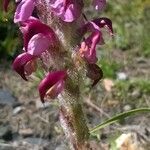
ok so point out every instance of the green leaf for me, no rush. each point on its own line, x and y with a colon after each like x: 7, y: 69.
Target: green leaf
x: 118, y: 117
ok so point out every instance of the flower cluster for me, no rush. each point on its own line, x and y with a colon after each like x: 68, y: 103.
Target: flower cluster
x: 40, y: 38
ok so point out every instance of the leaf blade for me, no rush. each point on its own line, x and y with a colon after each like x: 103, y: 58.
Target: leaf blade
x: 118, y: 117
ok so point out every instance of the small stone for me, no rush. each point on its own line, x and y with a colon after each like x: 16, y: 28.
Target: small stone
x: 36, y: 141
x: 61, y: 147
x: 6, y: 97
x: 122, y: 76
x: 108, y: 84
x: 136, y: 94
x: 127, y: 108
x: 40, y: 105
x: 26, y: 132
x: 6, y: 133
x: 17, y: 110
x: 129, y: 141
x: 141, y: 60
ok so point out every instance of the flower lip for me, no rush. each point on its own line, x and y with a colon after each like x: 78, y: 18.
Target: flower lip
x: 88, y: 46
x: 33, y: 26
x: 38, y: 44
x: 52, y: 84
x: 20, y: 62
x: 91, y: 42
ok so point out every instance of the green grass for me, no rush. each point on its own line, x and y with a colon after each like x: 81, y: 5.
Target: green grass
x: 109, y: 67
x: 123, y: 91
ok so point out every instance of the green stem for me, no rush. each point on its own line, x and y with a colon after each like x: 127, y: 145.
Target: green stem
x: 72, y: 117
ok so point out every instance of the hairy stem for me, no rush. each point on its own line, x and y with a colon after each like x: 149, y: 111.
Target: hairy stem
x: 72, y: 117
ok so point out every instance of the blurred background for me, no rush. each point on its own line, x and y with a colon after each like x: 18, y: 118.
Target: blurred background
x: 125, y: 61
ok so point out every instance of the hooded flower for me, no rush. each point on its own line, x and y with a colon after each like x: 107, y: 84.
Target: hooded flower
x: 52, y: 84
x: 67, y: 10
x: 24, y: 10
x: 88, y: 46
x: 24, y: 64
x: 37, y: 36
x: 99, y: 4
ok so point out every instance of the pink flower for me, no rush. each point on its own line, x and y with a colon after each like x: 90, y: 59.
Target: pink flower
x: 24, y: 10
x: 88, y: 46
x: 67, y: 10
x: 99, y: 4
x: 52, y: 84
x: 38, y: 37
x: 24, y: 64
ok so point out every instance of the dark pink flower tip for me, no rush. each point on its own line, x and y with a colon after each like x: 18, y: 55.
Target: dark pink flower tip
x: 5, y: 5
x: 37, y: 36
x: 67, y: 10
x: 88, y: 27
x: 19, y: 64
x: 104, y: 22
x: 99, y: 4
x: 52, y: 84
x: 24, y: 10
x: 94, y: 72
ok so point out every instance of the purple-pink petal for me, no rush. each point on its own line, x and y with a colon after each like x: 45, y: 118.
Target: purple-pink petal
x: 52, y: 80
x: 20, y: 62
x: 38, y: 44
x: 32, y: 27
x: 90, y: 52
x: 67, y: 10
x: 24, y: 10
x: 88, y: 46
x: 99, y: 4
x: 88, y: 27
